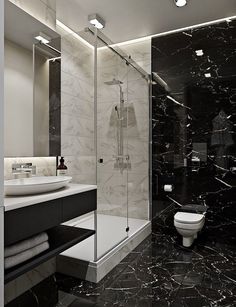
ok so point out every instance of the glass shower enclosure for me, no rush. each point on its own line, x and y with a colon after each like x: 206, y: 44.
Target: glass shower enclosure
x: 107, y: 96
x: 122, y: 140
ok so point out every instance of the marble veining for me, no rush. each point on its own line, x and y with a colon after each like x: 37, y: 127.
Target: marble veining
x: 194, y: 116
x: 160, y: 272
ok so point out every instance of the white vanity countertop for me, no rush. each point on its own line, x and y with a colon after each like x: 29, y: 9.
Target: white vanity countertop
x: 16, y: 202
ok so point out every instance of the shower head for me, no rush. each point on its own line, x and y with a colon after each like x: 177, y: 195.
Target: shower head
x: 114, y: 82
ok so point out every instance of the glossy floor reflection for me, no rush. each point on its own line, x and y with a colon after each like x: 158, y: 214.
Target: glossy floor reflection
x: 160, y: 272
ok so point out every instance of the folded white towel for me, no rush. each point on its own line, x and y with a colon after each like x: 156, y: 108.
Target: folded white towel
x: 25, y: 255
x: 25, y: 244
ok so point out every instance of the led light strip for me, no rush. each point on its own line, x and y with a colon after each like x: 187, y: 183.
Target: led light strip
x: 149, y: 37
x: 70, y: 31
x: 137, y: 40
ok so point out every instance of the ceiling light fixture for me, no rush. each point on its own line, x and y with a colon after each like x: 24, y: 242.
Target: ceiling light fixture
x: 207, y: 75
x: 43, y: 38
x: 96, y: 21
x: 199, y: 52
x: 180, y: 3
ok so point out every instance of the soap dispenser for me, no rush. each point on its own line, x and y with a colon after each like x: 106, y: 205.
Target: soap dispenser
x: 62, y: 168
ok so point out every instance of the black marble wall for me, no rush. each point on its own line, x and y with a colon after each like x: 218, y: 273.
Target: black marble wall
x: 55, y: 108
x: 194, y: 119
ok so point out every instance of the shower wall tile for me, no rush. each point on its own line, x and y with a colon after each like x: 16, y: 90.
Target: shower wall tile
x: 107, y: 58
x: 139, y: 164
x: 75, y: 86
x: 113, y: 192
x: 77, y: 113
x: 77, y: 107
x: 80, y: 165
x: 138, y: 195
x: 72, y: 126
x: 140, y: 52
x: 44, y: 11
x: 77, y: 145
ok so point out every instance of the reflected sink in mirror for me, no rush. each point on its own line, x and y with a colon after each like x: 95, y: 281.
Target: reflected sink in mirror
x: 35, y: 185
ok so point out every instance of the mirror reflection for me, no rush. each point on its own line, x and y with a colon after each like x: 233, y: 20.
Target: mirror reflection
x: 32, y: 86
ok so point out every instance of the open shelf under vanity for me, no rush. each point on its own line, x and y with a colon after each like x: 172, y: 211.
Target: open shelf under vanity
x: 48, y: 216
x: 60, y: 238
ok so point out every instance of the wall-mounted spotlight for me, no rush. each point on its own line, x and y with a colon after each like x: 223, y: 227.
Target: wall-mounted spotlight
x: 96, y: 21
x: 43, y: 38
x: 180, y: 3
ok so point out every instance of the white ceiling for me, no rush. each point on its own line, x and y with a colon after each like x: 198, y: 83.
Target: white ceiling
x: 131, y: 19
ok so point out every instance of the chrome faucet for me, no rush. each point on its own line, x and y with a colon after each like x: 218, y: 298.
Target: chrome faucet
x: 23, y: 170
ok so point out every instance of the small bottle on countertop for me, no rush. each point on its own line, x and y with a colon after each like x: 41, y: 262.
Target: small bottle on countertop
x: 62, y: 168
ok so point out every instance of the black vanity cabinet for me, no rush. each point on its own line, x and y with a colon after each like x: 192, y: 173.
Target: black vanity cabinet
x: 48, y: 216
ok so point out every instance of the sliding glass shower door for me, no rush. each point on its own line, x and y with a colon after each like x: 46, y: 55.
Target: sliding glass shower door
x: 112, y: 157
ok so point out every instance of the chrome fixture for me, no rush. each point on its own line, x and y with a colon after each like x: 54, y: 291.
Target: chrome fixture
x: 122, y: 161
x: 23, y: 170
x: 96, y: 21
x: 180, y: 3
x: 43, y: 38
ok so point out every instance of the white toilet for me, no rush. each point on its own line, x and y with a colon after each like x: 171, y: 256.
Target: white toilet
x: 188, y: 225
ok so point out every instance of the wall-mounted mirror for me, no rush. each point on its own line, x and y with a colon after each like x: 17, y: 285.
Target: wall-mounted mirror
x: 32, y: 82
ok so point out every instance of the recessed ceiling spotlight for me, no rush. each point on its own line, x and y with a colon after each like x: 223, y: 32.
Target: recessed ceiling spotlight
x: 180, y: 3
x: 96, y: 21
x: 199, y: 52
x: 43, y: 38
x: 207, y: 75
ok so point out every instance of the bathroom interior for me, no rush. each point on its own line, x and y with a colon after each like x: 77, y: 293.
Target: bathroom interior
x: 117, y: 153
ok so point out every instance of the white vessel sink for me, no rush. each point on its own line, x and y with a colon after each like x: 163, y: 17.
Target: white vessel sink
x: 35, y: 185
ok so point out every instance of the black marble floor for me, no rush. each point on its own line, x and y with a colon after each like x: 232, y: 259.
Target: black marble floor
x: 160, y: 272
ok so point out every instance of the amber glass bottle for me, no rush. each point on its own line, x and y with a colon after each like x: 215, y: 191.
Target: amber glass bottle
x: 61, y: 168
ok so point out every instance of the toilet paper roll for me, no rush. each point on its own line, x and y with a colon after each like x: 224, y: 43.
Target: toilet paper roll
x: 168, y: 188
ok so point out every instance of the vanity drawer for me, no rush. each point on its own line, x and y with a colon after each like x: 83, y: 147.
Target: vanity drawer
x: 28, y: 221
x: 79, y: 204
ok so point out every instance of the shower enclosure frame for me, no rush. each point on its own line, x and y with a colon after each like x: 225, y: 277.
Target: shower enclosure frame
x: 99, y: 36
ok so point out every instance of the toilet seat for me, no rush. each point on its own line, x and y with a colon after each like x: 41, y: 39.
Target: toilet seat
x: 188, y: 218
x: 196, y: 226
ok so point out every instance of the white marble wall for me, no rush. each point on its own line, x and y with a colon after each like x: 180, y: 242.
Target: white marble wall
x: 140, y: 53
x: 77, y: 113
x: 116, y: 189
x: 43, y: 10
